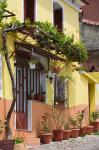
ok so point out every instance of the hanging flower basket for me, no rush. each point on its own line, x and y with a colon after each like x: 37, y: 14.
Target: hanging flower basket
x: 32, y: 66
x: 32, y: 62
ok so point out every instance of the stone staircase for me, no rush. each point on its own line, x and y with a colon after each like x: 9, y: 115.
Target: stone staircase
x: 33, y: 142
x: 29, y: 139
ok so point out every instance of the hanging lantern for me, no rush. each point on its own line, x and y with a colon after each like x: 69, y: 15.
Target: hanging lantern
x: 51, y: 80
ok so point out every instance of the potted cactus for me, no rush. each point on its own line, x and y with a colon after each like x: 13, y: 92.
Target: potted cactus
x: 45, y: 135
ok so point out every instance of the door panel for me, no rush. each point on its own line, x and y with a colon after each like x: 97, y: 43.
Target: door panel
x: 21, y: 95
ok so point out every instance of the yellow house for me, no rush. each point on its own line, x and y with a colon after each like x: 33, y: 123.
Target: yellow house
x: 80, y: 92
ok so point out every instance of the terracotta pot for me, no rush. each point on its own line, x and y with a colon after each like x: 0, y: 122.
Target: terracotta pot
x: 88, y: 129
x: 20, y: 146
x: 58, y: 135
x: 7, y: 144
x: 96, y: 126
x: 46, y: 138
x: 74, y: 133
x: 66, y: 134
x: 38, y: 97
x: 82, y: 131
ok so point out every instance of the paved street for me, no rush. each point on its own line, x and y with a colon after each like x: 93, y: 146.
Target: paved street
x: 90, y: 142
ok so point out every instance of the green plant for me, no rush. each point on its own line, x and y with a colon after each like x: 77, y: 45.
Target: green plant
x: 3, y: 5
x: 80, y: 117
x: 33, y: 60
x: 50, y: 38
x: 81, y: 68
x: 18, y: 140
x: 94, y: 116
x: 58, y: 117
x: 73, y: 122
x: 44, y: 124
x: 67, y: 125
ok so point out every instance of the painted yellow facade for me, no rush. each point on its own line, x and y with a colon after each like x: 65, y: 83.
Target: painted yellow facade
x: 78, y: 88
x: 96, y: 76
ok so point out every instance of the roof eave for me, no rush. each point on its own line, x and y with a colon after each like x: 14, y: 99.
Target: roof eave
x: 85, y: 2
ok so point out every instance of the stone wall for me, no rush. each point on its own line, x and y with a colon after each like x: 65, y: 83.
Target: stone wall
x: 90, y: 36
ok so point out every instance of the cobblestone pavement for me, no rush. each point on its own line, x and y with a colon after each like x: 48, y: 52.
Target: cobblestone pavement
x: 89, y: 142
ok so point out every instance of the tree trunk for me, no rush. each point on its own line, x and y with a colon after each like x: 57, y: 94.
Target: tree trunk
x: 6, y: 55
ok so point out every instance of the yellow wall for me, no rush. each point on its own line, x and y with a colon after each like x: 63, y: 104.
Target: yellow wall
x: 78, y: 90
x: 71, y: 16
x: 92, y: 97
x: 71, y: 26
x: 44, y: 12
x: 7, y: 90
x: 16, y: 7
x: 95, y: 75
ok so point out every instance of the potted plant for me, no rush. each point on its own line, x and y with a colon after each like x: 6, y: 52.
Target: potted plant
x: 80, y: 118
x: 93, y: 119
x: 88, y: 127
x: 45, y: 135
x: 74, y: 129
x: 58, y: 120
x: 32, y: 62
x: 19, y: 143
x: 41, y: 95
x: 67, y: 131
x: 5, y: 144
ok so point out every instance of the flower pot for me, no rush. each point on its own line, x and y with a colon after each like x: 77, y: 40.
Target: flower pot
x: 46, y: 138
x: 66, y: 134
x: 20, y: 146
x: 38, y: 97
x: 32, y: 66
x: 96, y: 126
x: 88, y: 130
x: 82, y: 131
x: 58, y: 135
x: 7, y: 144
x: 74, y: 133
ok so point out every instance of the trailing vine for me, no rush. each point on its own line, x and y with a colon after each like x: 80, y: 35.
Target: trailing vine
x: 65, y: 45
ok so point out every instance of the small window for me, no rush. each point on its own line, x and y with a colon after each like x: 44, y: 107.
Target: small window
x: 29, y: 10
x: 60, y: 90
x: 58, y: 16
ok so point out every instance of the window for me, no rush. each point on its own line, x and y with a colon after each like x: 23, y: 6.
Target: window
x: 60, y: 90
x: 58, y: 16
x: 29, y: 10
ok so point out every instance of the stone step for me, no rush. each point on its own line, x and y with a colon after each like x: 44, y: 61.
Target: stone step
x: 31, y: 141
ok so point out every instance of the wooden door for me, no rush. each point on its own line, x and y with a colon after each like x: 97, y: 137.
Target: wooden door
x: 22, y: 98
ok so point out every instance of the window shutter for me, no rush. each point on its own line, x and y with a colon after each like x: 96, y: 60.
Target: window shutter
x: 60, y: 89
x: 29, y: 10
